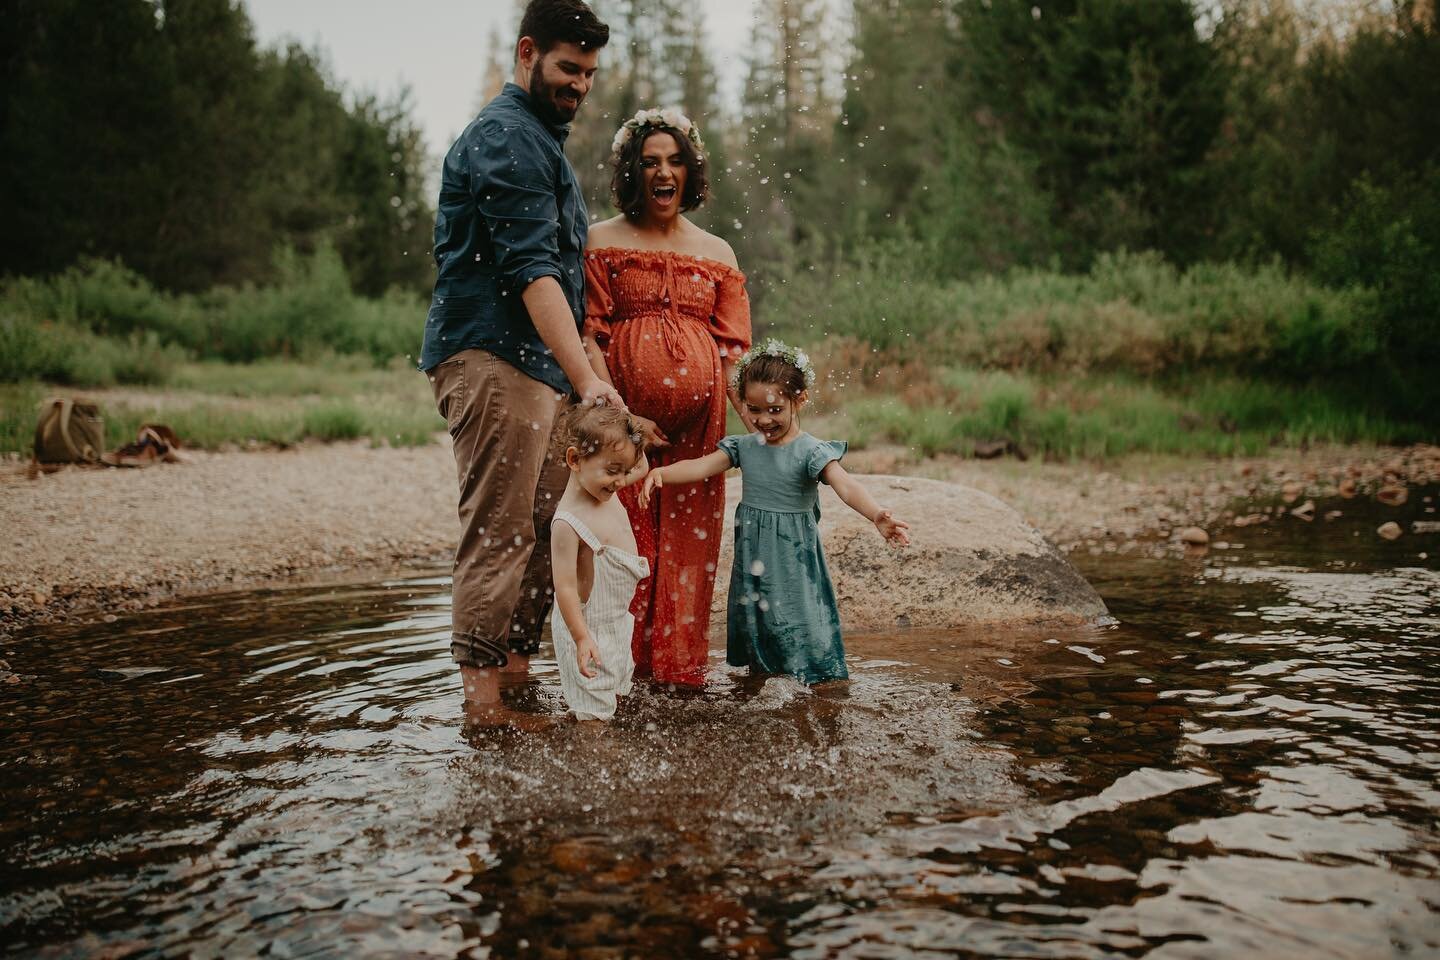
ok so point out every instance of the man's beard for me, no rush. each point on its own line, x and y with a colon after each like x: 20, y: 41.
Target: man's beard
x: 542, y: 98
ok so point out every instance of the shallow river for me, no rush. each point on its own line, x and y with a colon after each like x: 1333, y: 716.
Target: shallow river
x: 1246, y: 765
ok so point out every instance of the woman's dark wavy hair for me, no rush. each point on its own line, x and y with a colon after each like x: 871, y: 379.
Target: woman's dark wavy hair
x: 627, y: 182
x: 549, y: 22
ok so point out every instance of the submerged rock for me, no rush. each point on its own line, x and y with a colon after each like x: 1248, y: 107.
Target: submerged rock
x: 971, y: 560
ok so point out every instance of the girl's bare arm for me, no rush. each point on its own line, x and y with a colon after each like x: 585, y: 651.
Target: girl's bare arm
x: 727, y: 370
x: 685, y: 471
x: 637, y: 472
x: 857, y: 498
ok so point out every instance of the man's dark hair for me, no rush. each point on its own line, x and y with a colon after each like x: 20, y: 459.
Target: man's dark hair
x: 549, y: 22
x: 627, y: 182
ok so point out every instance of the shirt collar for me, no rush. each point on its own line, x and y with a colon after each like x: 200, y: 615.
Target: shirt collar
x: 517, y: 93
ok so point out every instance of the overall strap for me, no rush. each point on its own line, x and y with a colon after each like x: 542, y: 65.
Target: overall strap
x: 579, y: 527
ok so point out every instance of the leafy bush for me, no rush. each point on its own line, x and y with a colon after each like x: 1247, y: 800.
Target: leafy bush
x: 61, y: 353
x: 1134, y: 313
x: 308, y: 312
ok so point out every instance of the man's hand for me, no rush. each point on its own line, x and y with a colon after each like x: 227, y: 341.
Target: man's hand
x: 896, y: 531
x: 653, y: 480
x: 655, y: 438
x: 586, y: 654
x: 599, y: 392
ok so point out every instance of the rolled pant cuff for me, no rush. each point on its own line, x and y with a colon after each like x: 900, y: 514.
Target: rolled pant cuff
x: 472, y: 651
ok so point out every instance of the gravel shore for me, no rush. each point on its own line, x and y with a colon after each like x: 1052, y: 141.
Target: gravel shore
x: 89, y: 542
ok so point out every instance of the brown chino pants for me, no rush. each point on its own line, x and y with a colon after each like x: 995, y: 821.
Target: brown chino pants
x: 510, y: 483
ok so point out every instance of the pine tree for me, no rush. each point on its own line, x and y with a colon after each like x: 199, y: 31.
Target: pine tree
x: 787, y: 120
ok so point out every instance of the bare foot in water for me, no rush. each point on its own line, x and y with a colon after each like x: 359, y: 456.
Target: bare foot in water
x: 491, y: 716
x: 516, y: 670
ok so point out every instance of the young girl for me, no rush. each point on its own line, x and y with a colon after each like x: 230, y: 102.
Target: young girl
x: 782, y: 617
x: 595, y: 566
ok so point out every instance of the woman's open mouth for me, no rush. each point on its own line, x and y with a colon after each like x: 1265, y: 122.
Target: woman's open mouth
x: 664, y: 194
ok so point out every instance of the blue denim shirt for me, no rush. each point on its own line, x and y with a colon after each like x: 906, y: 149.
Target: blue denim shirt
x: 510, y: 212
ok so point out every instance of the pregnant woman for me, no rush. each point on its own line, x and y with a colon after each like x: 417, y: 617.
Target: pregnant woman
x: 666, y: 316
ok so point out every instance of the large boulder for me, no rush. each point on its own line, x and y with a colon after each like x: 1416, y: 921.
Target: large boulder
x: 971, y: 560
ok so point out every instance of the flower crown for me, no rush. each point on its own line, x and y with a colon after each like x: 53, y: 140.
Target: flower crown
x: 794, y: 356
x: 656, y: 117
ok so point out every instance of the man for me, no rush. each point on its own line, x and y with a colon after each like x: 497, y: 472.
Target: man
x: 502, y: 345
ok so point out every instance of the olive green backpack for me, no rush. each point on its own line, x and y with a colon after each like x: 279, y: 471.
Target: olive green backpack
x: 69, y: 431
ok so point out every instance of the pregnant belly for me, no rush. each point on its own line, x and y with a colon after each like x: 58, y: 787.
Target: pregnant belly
x: 667, y: 370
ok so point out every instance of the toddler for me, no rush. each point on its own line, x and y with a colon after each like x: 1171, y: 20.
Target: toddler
x: 595, y: 566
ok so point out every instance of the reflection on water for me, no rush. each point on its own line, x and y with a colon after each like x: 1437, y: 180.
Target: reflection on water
x: 1246, y: 766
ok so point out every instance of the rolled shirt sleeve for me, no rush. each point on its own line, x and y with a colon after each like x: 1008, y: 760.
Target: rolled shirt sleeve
x: 512, y: 176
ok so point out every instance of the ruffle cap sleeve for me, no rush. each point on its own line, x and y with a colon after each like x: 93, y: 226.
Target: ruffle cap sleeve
x: 599, y: 305
x: 730, y: 323
x: 731, y: 446
x: 823, y: 453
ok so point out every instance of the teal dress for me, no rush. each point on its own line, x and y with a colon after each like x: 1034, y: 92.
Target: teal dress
x: 782, y: 616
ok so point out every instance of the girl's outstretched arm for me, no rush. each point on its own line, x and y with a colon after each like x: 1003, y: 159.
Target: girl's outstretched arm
x: 727, y: 370
x: 684, y: 471
x: 637, y: 472
x: 857, y: 498
x: 565, y: 565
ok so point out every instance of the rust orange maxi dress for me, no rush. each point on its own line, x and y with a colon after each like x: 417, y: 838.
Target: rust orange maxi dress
x: 662, y: 319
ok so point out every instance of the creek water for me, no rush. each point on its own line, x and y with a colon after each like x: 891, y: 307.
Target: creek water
x: 1245, y: 765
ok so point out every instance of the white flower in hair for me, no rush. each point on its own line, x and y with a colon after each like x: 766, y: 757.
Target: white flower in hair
x: 772, y: 347
x: 671, y: 117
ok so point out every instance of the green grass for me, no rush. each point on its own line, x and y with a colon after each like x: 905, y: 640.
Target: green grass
x: 1097, y: 417
x: 209, y: 406
x: 1134, y: 356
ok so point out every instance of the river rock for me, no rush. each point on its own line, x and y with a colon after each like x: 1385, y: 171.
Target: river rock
x: 1390, y: 530
x: 1194, y: 537
x: 971, y: 560
x: 1392, y: 495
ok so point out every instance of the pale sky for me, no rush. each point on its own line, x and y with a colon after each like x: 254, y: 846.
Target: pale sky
x: 439, y: 48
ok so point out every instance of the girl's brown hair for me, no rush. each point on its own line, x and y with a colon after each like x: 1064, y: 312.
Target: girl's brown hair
x: 591, y: 428
x: 770, y: 369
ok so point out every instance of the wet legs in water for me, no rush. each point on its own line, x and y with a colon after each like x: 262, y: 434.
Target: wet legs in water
x: 482, y: 684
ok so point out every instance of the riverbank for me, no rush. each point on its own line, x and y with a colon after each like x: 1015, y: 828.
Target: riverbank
x: 84, y: 543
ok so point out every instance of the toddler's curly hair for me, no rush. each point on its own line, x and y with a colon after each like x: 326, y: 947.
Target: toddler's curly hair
x: 591, y: 428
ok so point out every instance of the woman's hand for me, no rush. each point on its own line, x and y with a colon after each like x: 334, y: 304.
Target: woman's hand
x: 587, y: 656
x: 655, y: 438
x: 653, y: 480
x: 896, y: 531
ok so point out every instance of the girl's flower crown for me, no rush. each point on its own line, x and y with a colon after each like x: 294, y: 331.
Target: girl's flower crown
x: 657, y: 117
x: 794, y: 356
